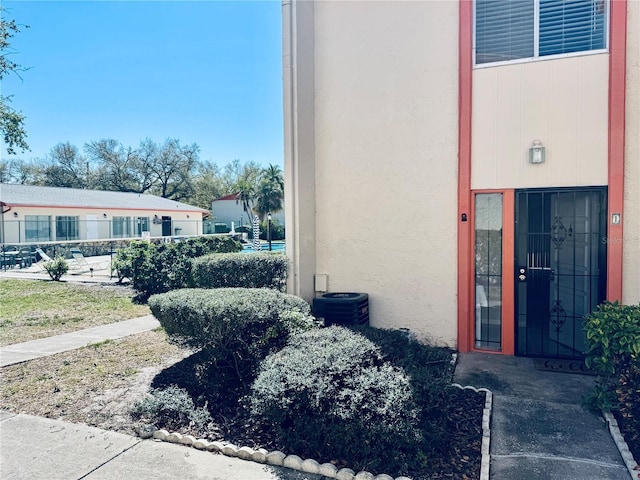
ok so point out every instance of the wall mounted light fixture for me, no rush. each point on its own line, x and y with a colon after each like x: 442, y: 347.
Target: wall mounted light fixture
x: 104, y: 215
x: 15, y: 214
x: 536, y: 152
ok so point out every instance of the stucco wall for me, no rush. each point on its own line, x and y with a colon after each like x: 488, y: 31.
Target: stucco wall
x: 386, y: 159
x: 562, y: 102
x: 631, y: 222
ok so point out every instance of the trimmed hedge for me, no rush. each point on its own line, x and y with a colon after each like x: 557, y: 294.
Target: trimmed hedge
x: 157, y: 268
x: 238, y: 326
x: 330, y: 391
x: 257, y: 270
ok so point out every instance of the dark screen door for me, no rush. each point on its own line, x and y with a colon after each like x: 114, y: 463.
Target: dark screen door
x: 560, y: 268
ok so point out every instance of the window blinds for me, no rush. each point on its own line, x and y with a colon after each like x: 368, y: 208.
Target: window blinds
x: 513, y: 29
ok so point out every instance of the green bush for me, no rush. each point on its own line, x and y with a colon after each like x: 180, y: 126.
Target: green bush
x: 277, y: 230
x: 258, y: 270
x: 57, y: 268
x: 330, y: 391
x: 613, y: 347
x: 239, y: 326
x: 171, y: 408
x: 156, y: 268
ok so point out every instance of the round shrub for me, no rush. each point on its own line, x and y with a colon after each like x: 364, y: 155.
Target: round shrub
x: 257, y: 270
x: 240, y: 326
x: 330, y: 391
x: 171, y: 408
x: 57, y: 268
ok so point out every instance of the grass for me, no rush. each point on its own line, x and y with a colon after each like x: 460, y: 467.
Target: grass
x: 32, y: 309
x: 96, y: 385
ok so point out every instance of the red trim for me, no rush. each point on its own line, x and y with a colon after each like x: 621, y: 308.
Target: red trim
x: 465, y: 267
x: 617, y: 89
x: 70, y: 207
x: 508, y: 273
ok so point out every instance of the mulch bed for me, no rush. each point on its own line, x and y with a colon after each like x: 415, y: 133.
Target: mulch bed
x: 630, y: 429
x: 459, y: 457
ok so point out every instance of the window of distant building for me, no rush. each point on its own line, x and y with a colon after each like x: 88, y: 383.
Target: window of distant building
x: 37, y: 228
x: 67, y: 228
x: 507, y: 30
x: 121, y: 227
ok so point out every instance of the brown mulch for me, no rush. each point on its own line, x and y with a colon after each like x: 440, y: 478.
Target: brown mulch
x: 459, y: 460
x: 630, y: 430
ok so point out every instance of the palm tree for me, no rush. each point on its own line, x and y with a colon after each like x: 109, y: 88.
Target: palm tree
x: 270, y: 193
x: 245, y: 196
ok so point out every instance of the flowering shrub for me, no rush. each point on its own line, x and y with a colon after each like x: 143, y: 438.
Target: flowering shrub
x: 239, y: 326
x: 257, y: 270
x: 330, y: 391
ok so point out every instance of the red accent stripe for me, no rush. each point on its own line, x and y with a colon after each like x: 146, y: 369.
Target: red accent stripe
x: 617, y: 99
x: 465, y: 266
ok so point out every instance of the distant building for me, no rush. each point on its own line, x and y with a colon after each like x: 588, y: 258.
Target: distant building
x: 229, y: 211
x: 35, y: 214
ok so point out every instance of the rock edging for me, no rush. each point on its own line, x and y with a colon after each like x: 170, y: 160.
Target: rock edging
x: 621, y: 444
x: 486, y: 428
x: 275, y: 458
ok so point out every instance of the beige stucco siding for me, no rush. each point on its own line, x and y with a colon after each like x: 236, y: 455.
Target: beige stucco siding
x: 386, y: 159
x: 562, y: 102
x: 631, y: 222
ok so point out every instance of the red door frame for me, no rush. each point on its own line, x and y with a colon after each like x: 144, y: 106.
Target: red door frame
x: 508, y: 274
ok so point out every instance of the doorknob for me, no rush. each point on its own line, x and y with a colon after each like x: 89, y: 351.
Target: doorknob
x: 521, y: 274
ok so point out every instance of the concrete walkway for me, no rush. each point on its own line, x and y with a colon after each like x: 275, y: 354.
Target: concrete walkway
x: 21, y: 352
x: 37, y: 448
x: 539, y: 430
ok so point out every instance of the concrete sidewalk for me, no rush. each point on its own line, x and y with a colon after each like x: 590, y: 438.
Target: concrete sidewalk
x: 21, y: 352
x: 539, y: 429
x: 37, y: 448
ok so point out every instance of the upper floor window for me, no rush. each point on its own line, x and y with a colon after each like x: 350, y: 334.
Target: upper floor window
x: 519, y: 29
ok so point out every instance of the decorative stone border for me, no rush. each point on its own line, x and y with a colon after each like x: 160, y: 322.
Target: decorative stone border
x: 275, y: 458
x: 623, y: 448
x: 486, y: 428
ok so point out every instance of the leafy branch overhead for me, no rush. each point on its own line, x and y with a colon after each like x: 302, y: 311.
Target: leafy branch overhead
x: 12, y: 121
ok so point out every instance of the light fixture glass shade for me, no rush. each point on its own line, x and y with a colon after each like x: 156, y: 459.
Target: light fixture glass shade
x: 536, y: 152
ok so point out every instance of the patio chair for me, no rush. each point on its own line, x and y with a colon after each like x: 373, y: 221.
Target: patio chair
x: 81, y: 265
x: 44, y: 258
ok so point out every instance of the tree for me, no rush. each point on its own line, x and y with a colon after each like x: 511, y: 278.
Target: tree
x: 68, y: 168
x: 11, y: 121
x: 207, y: 185
x: 245, y: 194
x: 270, y: 192
x: 122, y: 169
x: 173, y: 169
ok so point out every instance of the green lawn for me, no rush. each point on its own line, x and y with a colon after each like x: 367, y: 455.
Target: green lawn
x: 31, y: 309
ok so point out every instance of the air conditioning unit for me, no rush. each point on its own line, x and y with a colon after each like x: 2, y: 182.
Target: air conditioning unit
x: 342, y: 308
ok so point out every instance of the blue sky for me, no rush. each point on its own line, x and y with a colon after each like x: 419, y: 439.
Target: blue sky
x: 207, y: 72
